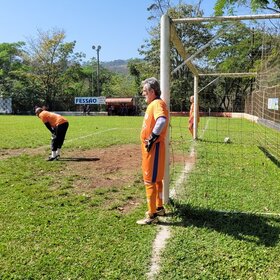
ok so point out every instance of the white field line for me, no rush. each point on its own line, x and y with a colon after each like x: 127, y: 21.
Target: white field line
x: 89, y: 135
x: 159, y: 244
x: 95, y: 133
x: 42, y: 148
x: 164, y: 231
x: 81, y: 137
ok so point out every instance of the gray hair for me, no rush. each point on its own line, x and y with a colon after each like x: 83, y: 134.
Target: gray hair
x: 152, y: 83
x: 38, y: 110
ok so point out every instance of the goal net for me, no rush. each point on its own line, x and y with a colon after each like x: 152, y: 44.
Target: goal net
x: 263, y: 103
x: 235, y: 148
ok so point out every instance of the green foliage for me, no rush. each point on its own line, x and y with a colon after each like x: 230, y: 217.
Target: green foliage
x: 10, y: 66
x: 50, y: 65
x: 193, y: 36
x: 120, y: 86
x: 140, y: 70
x: 219, y: 6
x: 228, y: 6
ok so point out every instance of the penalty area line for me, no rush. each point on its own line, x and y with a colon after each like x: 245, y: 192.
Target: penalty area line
x: 81, y: 137
x: 89, y: 135
x: 96, y: 133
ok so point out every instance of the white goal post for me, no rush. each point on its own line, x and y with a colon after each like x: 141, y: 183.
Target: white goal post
x: 168, y: 35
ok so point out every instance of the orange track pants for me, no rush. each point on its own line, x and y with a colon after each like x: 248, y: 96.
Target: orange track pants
x: 154, y: 196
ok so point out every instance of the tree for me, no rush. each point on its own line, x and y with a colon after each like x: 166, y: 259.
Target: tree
x: 140, y: 70
x: 10, y: 63
x: 52, y: 65
x: 237, y: 50
x: 230, y: 5
x: 192, y: 36
x: 11, y: 72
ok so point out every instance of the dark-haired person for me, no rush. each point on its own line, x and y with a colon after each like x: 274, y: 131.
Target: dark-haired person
x: 58, y: 126
x: 152, y: 136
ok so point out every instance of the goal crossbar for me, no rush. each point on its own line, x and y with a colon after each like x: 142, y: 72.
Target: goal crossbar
x: 226, y: 18
x: 234, y: 75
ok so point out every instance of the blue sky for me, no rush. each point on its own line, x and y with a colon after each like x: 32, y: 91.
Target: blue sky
x: 119, y: 26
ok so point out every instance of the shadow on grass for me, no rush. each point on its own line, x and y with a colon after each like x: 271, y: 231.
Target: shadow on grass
x: 78, y: 159
x: 270, y: 156
x: 242, y: 226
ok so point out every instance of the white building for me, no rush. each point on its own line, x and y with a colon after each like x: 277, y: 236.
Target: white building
x: 5, y: 105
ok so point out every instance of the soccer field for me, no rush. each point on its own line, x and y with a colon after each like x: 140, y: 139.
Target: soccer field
x: 75, y: 218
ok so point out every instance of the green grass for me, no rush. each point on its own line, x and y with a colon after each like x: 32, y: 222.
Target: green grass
x: 219, y: 230
x: 53, y: 233
x: 84, y: 132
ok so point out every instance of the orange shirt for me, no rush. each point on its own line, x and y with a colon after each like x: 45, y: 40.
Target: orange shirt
x: 52, y: 118
x: 191, y: 117
x: 153, y: 162
x: 157, y: 108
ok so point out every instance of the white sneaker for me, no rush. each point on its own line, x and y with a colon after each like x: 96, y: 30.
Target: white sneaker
x: 161, y: 211
x: 148, y: 220
x: 52, y: 158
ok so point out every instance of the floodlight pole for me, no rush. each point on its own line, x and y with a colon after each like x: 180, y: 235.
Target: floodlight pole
x: 98, y: 48
x: 92, y: 91
x: 165, y: 93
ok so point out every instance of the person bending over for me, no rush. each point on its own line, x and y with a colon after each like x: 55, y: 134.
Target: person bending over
x: 58, y: 126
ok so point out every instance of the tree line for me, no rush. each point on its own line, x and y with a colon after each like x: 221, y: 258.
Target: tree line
x: 45, y: 70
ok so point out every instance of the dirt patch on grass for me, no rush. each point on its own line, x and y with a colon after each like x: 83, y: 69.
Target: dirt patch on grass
x: 7, y: 153
x: 105, y: 167
x: 109, y: 167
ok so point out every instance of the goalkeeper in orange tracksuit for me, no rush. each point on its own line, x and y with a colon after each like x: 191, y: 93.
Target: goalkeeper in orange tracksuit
x: 153, y: 149
x: 58, y: 126
x: 191, y: 116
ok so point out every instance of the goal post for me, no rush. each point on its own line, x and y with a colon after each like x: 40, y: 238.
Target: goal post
x: 165, y: 91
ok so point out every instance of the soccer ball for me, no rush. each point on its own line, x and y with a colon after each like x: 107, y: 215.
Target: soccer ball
x: 227, y: 140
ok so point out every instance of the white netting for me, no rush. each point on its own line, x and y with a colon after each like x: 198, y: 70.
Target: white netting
x: 234, y: 144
